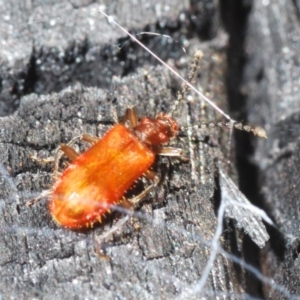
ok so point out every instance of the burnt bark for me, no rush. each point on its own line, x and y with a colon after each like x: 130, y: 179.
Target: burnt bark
x: 62, y: 75
x: 271, y: 86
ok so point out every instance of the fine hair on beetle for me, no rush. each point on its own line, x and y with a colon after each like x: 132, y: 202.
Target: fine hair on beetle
x: 145, y: 221
x: 101, y: 177
x: 98, y: 180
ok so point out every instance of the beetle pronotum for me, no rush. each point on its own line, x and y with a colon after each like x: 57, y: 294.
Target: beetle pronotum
x: 98, y: 179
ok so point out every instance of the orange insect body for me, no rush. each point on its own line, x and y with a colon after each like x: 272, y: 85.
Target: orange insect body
x: 99, y: 178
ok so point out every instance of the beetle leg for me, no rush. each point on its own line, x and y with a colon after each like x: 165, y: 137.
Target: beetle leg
x: 137, y: 199
x: 128, y: 205
x: 68, y: 151
x: 131, y: 117
x: 89, y: 139
x: 151, y: 175
x: 43, y: 194
x: 172, y: 152
x: 42, y: 160
x: 99, y: 240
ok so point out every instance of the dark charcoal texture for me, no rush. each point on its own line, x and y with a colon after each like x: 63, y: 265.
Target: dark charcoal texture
x: 269, y: 94
x: 50, y: 45
x: 62, y: 75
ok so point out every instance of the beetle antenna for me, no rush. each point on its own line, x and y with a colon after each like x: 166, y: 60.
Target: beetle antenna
x: 207, y: 100
x: 256, y: 130
x: 192, y: 72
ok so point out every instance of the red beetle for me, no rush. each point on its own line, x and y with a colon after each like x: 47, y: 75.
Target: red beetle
x: 99, y: 178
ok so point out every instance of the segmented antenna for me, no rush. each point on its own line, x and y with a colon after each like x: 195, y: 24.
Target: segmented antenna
x: 256, y: 130
x: 111, y: 20
x: 181, y: 94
